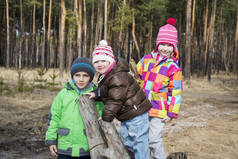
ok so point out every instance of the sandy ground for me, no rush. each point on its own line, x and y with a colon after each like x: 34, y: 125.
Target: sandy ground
x: 208, y: 123
x: 206, y: 128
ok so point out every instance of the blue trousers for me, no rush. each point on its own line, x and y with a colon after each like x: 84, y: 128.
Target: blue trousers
x: 155, y: 138
x: 135, y: 133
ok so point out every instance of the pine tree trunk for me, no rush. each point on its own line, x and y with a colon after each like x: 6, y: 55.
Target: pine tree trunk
x: 21, y: 36
x: 26, y: 50
x: 43, y: 40
x: 2, y: 38
x: 38, y: 53
x: 211, y: 40
x: 112, y: 34
x: 205, y: 41
x: 69, y: 50
x: 121, y: 27
x: 130, y: 43
x: 198, y: 41
x: 150, y: 33
x: 13, y: 39
x: 8, y: 37
x: 180, y: 39
x: 78, y: 13
x: 84, y: 29
x: 199, y: 33
x: 105, y: 20
x: 56, y: 45
x: 126, y: 45
x: 219, y: 47
x: 235, y: 62
x: 223, y: 42
x: 33, y: 42
x: 91, y: 31
x: 100, y: 22
x: 97, y: 33
x: 48, y: 44
x: 193, y: 36
x: 62, y: 38
x: 224, y: 52
x: 133, y: 31
x: 187, y: 66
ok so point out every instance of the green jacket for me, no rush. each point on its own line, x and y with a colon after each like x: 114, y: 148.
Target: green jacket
x: 66, y: 127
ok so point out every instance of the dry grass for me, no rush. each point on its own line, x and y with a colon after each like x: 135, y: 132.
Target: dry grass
x: 11, y: 75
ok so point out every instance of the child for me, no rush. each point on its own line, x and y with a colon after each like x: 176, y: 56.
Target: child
x: 66, y: 136
x: 123, y: 99
x: 161, y: 79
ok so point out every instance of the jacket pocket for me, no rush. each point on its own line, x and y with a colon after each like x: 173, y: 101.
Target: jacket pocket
x: 63, y: 131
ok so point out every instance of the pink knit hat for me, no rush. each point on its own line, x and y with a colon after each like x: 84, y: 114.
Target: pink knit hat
x: 167, y: 34
x: 103, y: 52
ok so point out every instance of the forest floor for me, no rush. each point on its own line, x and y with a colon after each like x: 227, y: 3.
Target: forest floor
x: 206, y: 128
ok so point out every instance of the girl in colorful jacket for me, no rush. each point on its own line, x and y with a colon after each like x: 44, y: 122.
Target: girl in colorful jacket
x: 66, y: 135
x: 161, y: 79
x: 123, y: 99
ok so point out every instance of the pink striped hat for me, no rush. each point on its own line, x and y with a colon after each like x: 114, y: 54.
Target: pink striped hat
x: 167, y: 34
x: 103, y: 52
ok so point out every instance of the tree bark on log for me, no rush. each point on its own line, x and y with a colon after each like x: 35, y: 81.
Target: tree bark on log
x: 103, y: 139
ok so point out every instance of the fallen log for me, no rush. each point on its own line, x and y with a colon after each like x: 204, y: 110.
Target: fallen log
x: 103, y: 138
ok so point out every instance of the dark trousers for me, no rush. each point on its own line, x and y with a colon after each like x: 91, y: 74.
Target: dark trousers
x: 70, y: 157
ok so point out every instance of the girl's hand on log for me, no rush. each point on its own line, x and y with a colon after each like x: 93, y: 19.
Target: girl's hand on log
x: 90, y: 95
x: 53, y: 150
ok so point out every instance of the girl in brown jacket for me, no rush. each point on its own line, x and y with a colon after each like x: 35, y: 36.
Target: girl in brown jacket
x: 123, y: 99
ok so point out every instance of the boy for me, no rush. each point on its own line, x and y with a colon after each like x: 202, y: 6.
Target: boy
x: 123, y: 99
x: 66, y: 136
x: 161, y: 78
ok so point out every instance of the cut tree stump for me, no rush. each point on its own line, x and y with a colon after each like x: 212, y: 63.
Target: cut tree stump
x: 103, y: 138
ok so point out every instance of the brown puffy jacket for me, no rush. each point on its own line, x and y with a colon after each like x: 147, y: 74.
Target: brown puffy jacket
x: 122, y: 96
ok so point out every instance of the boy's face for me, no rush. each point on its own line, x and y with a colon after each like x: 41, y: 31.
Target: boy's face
x: 101, y: 66
x: 81, y: 79
x: 165, y: 50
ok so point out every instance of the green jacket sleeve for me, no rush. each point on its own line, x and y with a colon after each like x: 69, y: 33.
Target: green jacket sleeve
x: 54, y: 119
x: 99, y: 105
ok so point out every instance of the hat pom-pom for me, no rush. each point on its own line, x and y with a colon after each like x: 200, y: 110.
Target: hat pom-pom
x: 171, y: 21
x: 103, y: 42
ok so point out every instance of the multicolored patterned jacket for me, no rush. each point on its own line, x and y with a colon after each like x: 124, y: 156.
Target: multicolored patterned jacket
x: 162, y: 82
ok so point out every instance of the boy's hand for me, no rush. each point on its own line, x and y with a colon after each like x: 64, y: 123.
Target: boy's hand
x: 91, y: 95
x: 166, y: 119
x: 53, y: 150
